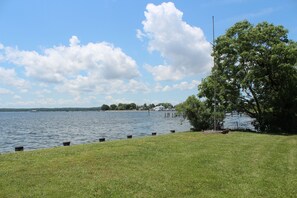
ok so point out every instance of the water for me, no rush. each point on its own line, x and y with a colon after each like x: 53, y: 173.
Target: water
x: 50, y: 129
x: 238, y: 121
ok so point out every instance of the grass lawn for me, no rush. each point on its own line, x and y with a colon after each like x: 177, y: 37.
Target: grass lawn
x: 175, y: 165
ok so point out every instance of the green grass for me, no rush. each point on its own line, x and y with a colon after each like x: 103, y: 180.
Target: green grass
x: 174, y: 165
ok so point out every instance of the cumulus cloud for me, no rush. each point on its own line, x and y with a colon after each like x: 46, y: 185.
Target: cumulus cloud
x: 98, y: 68
x: 17, y: 97
x: 9, y: 77
x: 61, y: 63
x: 73, y: 41
x: 41, y: 93
x: 112, y: 100
x: 165, y: 72
x: 179, y: 86
x: 183, y: 47
x: 187, y: 85
x: 92, y: 83
x: 5, y: 91
x: 50, y: 102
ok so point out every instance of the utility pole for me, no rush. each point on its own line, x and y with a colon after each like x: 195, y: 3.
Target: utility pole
x: 214, y: 89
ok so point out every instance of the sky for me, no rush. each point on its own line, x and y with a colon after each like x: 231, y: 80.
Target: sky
x: 92, y: 52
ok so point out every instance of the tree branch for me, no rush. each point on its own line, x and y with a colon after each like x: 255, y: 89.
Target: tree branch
x: 256, y: 100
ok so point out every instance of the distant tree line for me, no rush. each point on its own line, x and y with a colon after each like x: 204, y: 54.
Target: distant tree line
x: 104, y: 107
x: 133, y: 106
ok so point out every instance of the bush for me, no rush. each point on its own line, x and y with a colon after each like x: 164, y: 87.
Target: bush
x: 196, y: 111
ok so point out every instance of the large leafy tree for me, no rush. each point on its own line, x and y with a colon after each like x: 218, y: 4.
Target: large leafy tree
x: 255, y: 72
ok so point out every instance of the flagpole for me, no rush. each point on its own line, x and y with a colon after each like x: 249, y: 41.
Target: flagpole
x: 214, y: 90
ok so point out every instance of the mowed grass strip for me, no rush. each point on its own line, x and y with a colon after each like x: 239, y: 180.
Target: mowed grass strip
x: 175, y: 165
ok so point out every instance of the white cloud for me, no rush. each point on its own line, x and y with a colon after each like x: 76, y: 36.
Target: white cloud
x: 108, y: 98
x: 42, y: 93
x: 111, y: 100
x: 139, y: 34
x: 183, y: 47
x: 158, y: 87
x: 74, y: 41
x: 137, y: 86
x: 164, y: 72
x: 187, y: 85
x: 97, y: 68
x: 10, y: 78
x: 17, y: 97
x: 62, y: 63
x: 94, y: 84
x: 180, y: 86
x: 5, y: 91
x: 44, y: 102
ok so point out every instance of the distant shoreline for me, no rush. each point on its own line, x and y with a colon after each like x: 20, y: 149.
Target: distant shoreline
x: 69, y: 109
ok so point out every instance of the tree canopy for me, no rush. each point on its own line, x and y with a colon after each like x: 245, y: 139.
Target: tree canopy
x: 255, y: 72
x: 105, y: 107
x: 133, y: 106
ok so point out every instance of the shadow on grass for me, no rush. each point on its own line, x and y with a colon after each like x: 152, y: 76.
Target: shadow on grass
x: 246, y: 131
x: 267, y: 133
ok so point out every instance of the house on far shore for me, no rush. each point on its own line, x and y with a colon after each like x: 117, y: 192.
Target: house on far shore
x: 159, y: 108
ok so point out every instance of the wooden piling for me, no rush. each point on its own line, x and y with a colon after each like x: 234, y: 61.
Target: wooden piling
x: 66, y: 143
x: 225, y: 131
x: 19, y: 148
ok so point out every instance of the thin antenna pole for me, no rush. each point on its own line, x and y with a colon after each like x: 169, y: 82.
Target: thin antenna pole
x: 214, y: 90
x: 213, y: 33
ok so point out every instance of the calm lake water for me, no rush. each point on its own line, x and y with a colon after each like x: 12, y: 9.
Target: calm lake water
x: 50, y: 129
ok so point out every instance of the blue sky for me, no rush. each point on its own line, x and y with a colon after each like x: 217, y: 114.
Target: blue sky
x: 87, y: 53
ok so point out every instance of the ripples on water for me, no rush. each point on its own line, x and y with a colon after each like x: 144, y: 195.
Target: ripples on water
x: 238, y: 121
x: 50, y: 129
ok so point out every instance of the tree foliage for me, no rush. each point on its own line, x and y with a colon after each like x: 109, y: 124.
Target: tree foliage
x: 133, y: 106
x: 113, y: 107
x: 104, y: 107
x: 129, y: 106
x: 255, y: 72
x: 196, y: 112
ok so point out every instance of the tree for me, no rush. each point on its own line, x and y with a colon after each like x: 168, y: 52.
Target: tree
x: 151, y: 106
x: 104, y: 107
x: 122, y: 106
x: 255, y: 72
x: 132, y: 106
x: 196, y: 112
x: 145, y: 107
x: 113, y: 107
